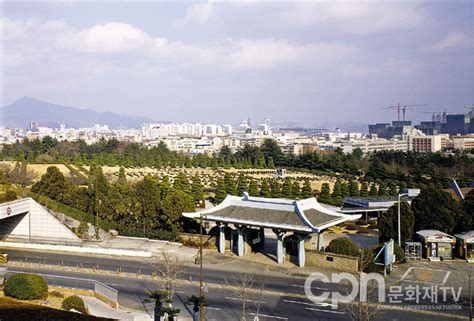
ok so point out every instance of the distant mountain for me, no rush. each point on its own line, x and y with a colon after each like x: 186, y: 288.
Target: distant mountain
x: 25, y: 110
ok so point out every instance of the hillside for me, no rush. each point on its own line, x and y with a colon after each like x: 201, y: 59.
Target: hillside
x: 27, y: 109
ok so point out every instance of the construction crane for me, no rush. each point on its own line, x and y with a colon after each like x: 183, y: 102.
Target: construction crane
x: 403, y: 108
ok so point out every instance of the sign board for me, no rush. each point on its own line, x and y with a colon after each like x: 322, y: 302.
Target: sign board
x: 389, y: 256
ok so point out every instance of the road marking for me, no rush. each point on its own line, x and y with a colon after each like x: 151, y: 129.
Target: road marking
x: 313, y: 287
x: 327, y: 311
x: 211, y: 308
x: 269, y: 316
x: 238, y: 299
x: 322, y: 304
x: 445, y: 279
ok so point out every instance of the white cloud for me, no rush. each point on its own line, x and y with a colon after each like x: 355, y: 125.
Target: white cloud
x: 111, y: 37
x: 198, y: 13
x: 453, y: 40
x: 272, y: 53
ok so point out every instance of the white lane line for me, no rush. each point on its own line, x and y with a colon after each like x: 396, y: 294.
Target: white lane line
x: 238, y: 299
x: 322, y: 304
x: 269, y: 316
x: 445, y: 279
x: 211, y: 308
x: 313, y: 287
x: 327, y: 311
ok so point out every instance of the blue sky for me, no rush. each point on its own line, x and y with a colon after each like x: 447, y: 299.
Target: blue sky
x: 306, y: 62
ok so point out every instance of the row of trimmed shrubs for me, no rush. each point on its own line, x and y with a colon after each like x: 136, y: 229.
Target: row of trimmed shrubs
x: 26, y: 286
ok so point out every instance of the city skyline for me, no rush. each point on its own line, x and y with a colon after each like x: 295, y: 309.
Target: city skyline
x: 221, y: 62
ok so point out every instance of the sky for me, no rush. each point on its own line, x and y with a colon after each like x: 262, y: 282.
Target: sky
x: 222, y: 62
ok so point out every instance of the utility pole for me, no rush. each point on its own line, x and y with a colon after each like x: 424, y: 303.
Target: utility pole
x: 470, y: 297
x: 399, y: 230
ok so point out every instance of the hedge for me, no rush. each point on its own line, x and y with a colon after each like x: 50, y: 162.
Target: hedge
x: 71, y: 211
x: 26, y: 287
x: 74, y: 302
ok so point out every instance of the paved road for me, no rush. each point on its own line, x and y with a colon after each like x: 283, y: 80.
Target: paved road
x: 283, y: 297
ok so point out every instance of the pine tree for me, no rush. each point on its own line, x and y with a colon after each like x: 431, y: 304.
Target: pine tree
x: 253, y: 188
x: 306, y: 191
x: 392, y: 188
x: 122, y: 178
x: 275, y: 189
x: 242, y: 185
x: 91, y: 176
x: 229, y: 183
x: 220, y: 191
x: 336, y: 190
x: 181, y: 183
x: 197, y: 189
x: 270, y: 163
x: 287, y: 188
x: 383, y: 191
x: 325, y: 194
x: 354, y: 189
x: 296, y: 190
x: 364, y: 189
x: 345, y: 190
x: 265, y: 189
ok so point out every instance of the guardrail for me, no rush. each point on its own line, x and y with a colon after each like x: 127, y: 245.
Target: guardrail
x: 102, y: 290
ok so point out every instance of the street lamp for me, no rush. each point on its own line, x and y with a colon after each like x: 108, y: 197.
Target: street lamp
x: 399, y: 232
x: 201, y: 273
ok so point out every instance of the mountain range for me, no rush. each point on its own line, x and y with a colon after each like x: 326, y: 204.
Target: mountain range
x: 20, y: 113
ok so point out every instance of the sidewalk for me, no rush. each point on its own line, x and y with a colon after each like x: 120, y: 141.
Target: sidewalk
x: 101, y: 309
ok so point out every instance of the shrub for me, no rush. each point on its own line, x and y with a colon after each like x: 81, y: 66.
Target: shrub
x: 26, y: 287
x: 343, y: 246
x: 56, y: 294
x: 74, y: 302
x: 399, y: 253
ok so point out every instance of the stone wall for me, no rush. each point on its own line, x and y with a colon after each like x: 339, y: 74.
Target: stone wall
x: 332, y: 261
x: 193, y: 240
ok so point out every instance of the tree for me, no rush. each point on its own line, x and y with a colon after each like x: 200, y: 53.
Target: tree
x: 383, y: 190
x: 170, y: 271
x: 287, y: 188
x: 306, y: 191
x: 353, y: 189
x: 325, y: 194
x: 466, y: 221
x: 271, y: 150
x: 265, y: 189
x: 275, y: 189
x: 197, y: 301
x: 345, y: 190
x: 364, y: 189
x: 53, y: 184
x: 388, y: 223
x: 242, y: 185
x: 297, y: 190
x: 122, y: 178
x: 20, y: 175
x: 197, y: 189
x: 337, y: 193
x: 157, y: 297
x: 181, y: 183
x: 392, y: 188
x: 435, y: 209
x: 172, y: 207
x: 253, y: 188
x: 373, y: 190
x: 220, y: 192
x: 229, y: 183
x: 343, y: 246
x: 148, y: 195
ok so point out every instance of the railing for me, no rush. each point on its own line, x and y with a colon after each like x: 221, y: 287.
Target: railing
x: 99, y: 288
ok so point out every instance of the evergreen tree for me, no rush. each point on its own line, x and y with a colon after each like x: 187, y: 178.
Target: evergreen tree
x: 230, y: 187
x: 388, y: 223
x: 275, y: 189
x: 53, y: 184
x: 354, y: 189
x: 383, y: 191
x: 122, y: 178
x: 392, y: 188
x: 296, y: 190
x: 345, y: 190
x: 265, y: 189
x: 325, y: 194
x: 270, y: 163
x: 242, y: 185
x: 306, y: 191
x: 220, y: 191
x: 287, y: 188
x: 181, y: 183
x: 364, y: 189
x: 197, y: 189
x: 336, y: 190
x: 91, y: 176
x: 253, y: 188
x: 165, y: 186
x: 373, y: 190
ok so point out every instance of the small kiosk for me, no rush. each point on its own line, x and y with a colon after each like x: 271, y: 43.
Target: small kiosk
x: 465, y: 245
x: 436, y: 244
